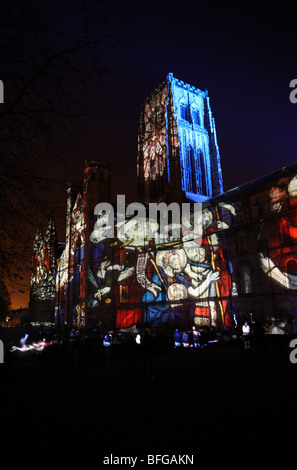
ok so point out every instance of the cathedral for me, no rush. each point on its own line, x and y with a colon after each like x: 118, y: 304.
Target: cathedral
x: 242, y: 266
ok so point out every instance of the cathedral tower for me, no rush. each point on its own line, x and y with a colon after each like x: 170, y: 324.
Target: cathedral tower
x: 178, y: 155
x: 42, y: 289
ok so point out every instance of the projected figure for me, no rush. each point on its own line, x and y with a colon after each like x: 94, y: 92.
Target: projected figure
x: 171, y: 264
x: 203, y: 278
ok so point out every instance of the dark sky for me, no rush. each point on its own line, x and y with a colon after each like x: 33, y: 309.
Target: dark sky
x: 243, y: 53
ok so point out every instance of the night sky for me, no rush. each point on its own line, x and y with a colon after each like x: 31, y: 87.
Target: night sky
x: 244, y: 54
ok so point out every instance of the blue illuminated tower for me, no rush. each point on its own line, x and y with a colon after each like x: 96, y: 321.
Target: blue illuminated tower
x: 178, y: 154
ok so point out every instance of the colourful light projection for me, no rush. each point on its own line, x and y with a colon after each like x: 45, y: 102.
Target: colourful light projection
x: 178, y: 144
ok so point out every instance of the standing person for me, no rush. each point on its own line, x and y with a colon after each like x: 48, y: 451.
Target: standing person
x: 246, y: 335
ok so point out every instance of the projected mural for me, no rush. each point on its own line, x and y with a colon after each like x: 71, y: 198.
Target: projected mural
x: 70, y: 278
x: 241, y: 267
x: 278, y: 237
x: 243, y: 264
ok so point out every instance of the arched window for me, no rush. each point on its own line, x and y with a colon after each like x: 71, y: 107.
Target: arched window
x: 124, y: 293
x: 183, y: 109
x: 246, y: 286
x: 195, y: 116
x: 193, y: 170
x: 201, y: 173
x: 262, y: 205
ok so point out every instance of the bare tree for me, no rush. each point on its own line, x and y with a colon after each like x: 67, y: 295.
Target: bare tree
x: 54, y: 60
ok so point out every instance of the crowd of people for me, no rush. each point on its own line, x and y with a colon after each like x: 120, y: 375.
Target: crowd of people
x: 194, y: 338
